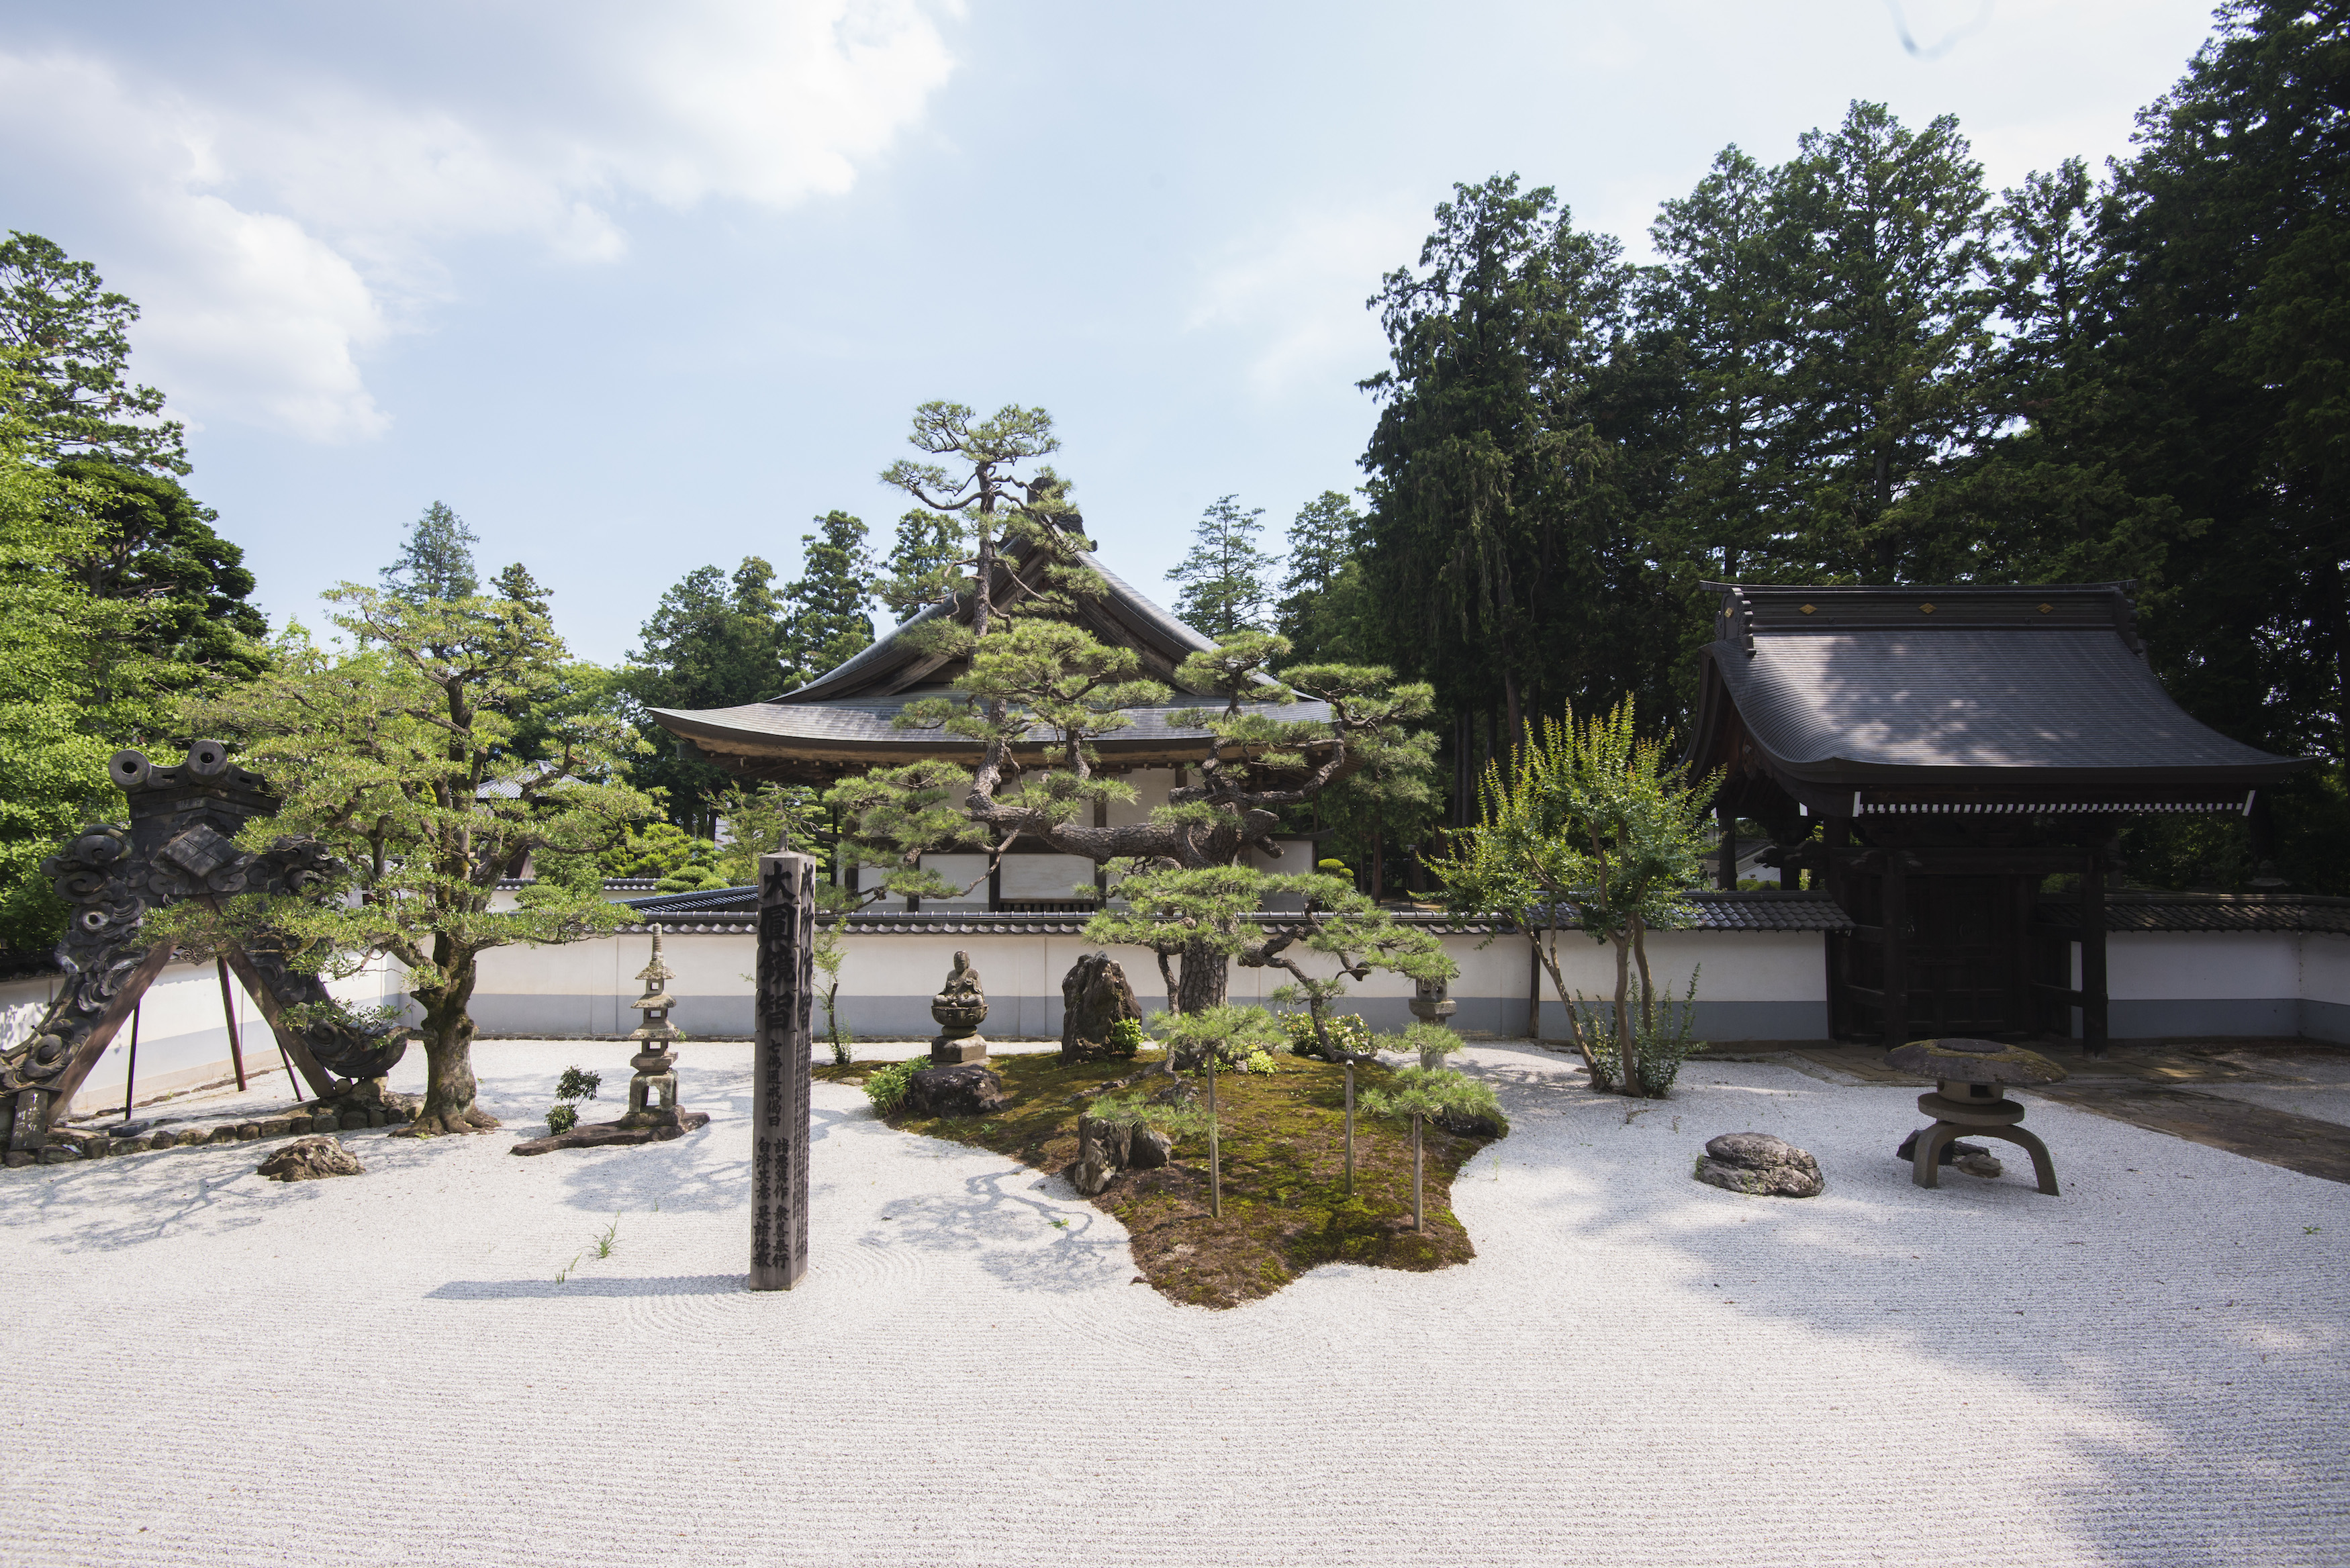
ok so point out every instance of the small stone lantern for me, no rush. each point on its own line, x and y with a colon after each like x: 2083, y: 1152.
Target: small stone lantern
x: 655, y: 1062
x: 1968, y: 1099
x: 1431, y: 1001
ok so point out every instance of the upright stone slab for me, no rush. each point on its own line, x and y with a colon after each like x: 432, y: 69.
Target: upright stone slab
x: 779, y: 1074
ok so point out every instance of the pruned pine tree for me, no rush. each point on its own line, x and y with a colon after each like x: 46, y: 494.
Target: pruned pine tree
x: 1225, y: 576
x: 397, y: 754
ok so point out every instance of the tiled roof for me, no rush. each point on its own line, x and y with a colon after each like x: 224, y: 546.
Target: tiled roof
x: 1871, y: 684
x: 737, y: 909
x: 2152, y: 910
x: 871, y: 720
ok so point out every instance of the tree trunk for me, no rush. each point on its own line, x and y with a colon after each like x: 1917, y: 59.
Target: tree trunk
x: 1548, y: 959
x: 1626, y: 1060
x: 449, y: 1084
x: 1206, y: 979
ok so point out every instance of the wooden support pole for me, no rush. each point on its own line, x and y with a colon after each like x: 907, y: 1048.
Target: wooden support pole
x: 779, y: 1071
x: 117, y: 1011
x: 1351, y: 1127
x: 131, y: 1068
x: 1896, y: 885
x: 1726, y: 872
x: 228, y: 1012
x: 1416, y: 1224
x: 2095, y: 1014
x: 1215, y: 1162
x: 289, y: 1041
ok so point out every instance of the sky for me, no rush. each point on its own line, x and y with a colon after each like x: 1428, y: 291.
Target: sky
x: 638, y: 289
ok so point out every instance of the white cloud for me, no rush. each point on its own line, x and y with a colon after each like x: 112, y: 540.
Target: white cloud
x: 1297, y: 293
x: 278, y: 218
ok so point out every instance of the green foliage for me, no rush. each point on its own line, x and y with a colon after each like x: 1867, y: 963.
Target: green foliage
x: 886, y: 1088
x: 1243, y: 1038
x: 395, y: 752
x: 1325, y: 608
x: 577, y: 1083
x: 762, y: 820
x: 1596, y: 825
x: 69, y: 339
x: 1223, y: 578
x: 923, y: 564
x: 1125, y: 1036
x: 1132, y: 1108
x: 1435, y: 1094
x: 436, y: 560
x: 152, y: 545
x: 1661, y: 1030
x: 679, y: 862
x: 560, y: 1119
x: 1337, y: 1037
x: 1431, y: 1043
x: 829, y: 623
x: 712, y: 642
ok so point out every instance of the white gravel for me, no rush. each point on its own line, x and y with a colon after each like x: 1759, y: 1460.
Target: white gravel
x: 1637, y: 1369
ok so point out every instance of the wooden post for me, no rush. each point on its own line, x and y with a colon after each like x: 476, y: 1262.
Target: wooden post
x: 779, y: 1071
x: 1215, y: 1162
x: 290, y: 1043
x: 1351, y: 1127
x: 1415, y: 1172
x: 1533, y: 989
x: 131, y: 1068
x: 2094, y: 1018
x: 1895, y: 903
x: 228, y: 1012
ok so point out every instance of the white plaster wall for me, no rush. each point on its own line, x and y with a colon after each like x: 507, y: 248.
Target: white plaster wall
x: 1057, y: 876
x: 2325, y: 970
x: 2183, y: 966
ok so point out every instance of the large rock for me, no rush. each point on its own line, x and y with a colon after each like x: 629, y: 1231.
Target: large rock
x: 1761, y: 1165
x: 969, y: 1090
x: 1094, y: 995
x: 310, y: 1158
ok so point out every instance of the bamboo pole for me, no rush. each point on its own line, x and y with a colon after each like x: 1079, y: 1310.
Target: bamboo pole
x: 1351, y: 1127
x: 1415, y: 1174
x: 130, y: 1071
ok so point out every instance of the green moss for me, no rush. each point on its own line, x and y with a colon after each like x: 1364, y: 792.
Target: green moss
x: 1283, y: 1141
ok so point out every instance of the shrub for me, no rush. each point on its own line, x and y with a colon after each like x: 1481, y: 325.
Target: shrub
x: 1453, y: 1100
x: 1126, y: 1036
x: 1431, y: 1043
x: 577, y: 1084
x: 561, y: 1119
x: 1661, y: 1046
x: 1243, y: 1038
x: 1349, y: 1035
x: 886, y: 1088
x: 1175, y: 1118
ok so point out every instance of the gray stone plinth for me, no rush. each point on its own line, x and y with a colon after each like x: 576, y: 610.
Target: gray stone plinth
x: 947, y: 1051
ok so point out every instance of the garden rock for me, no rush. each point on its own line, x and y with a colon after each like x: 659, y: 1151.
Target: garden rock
x: 1148, y: 1149
x: 967, y: 1089
x: 1470, y: 1124
x: 1095, y: 995
x: 1101, y: 1155
x: 309, y: 1159
x: 1956, y: 1152
x: 1761, y: 1164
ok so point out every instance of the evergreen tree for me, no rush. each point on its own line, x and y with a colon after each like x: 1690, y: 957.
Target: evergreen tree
x: 436, y: 562
x: 921, y: 565
x: 710, y: 643
x: 1321, y: 609
x: 1223, y: 578
x: 151, y: 544
x: 70, y: 337
x: 829, y: 623
x: 1891, y: 352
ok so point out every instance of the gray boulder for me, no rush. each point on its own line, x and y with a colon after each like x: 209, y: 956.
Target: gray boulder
x: 310, y: 1159
x: 970, y: 1089
x: 1094, y: 994
x: 1760, y: 1164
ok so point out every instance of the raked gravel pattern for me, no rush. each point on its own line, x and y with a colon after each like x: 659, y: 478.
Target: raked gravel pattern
x: 213, y: 1368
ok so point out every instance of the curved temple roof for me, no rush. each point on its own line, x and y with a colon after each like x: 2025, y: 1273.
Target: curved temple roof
x: 844, y: 718
x: 2032, y: 690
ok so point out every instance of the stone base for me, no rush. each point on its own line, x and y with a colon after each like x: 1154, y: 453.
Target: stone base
x: 947, y: 1053
x: 659, y: 1128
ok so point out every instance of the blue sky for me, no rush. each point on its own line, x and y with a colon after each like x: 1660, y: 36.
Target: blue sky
x: 639, y: 288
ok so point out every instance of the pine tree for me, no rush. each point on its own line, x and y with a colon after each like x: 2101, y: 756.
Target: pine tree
x: 70, y: 339
x: 1321, y: 609
x: 921, y: 565
x: 710, y: 643
x: 831, y: 623
x: 1224, y: 576
x: 437, y: 560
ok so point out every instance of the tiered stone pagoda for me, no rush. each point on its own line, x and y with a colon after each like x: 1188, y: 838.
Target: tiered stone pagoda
x: 1959, y: 747
x: 841, y: 724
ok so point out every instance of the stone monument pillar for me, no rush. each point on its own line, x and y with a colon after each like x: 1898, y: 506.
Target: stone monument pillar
x: 779, y: 1071
x: 959, y: 1007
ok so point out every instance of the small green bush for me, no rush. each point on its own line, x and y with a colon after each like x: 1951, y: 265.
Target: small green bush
x: 1126, y: 1036
x: 1451, y: 1099
x: 1243, y: 1038
x: 1133, y: 1109
x: 886, y: 1088
x: 1349, y: 1033
x: 1662, y: 1047
x: 577, y: 1084
x: 561, y: 1119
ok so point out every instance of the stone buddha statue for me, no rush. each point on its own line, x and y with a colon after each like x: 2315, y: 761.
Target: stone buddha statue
x: 959, y: 1007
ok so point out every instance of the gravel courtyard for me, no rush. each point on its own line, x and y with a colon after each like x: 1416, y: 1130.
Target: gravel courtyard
x: 2151, y: 1369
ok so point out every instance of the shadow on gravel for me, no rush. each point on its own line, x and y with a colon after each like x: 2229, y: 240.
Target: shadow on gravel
x: 548, y: 1290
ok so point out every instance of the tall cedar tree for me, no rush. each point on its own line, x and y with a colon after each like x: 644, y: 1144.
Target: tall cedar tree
x: 436, y: 559
x: 1224, y: 577
x: 1322, y: 610
x: 712, y: 642
x: 70, y: 337
x: 830, y: 622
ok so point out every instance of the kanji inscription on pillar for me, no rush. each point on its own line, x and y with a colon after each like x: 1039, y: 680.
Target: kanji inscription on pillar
x: 779, y: 1074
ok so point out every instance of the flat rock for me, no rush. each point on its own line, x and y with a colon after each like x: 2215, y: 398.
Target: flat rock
x: 311, y: 1159
x: 1761, y: 1164
x: 968, y: 1090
